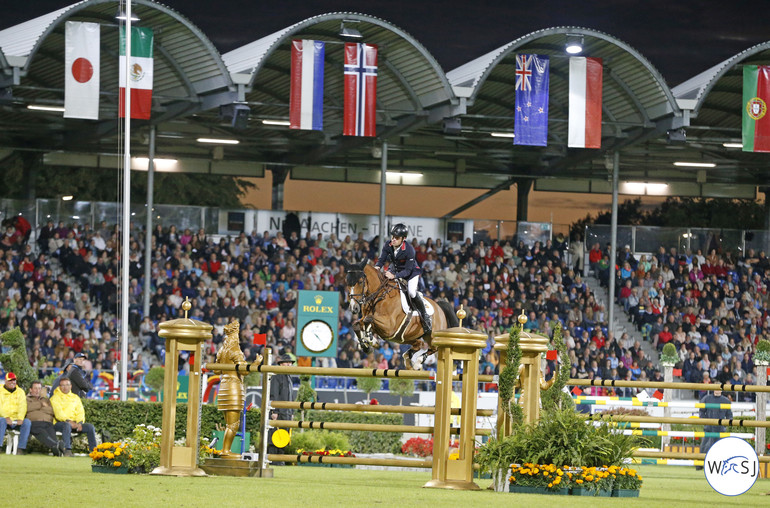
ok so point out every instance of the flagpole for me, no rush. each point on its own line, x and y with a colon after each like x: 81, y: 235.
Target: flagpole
x: 124, y: 280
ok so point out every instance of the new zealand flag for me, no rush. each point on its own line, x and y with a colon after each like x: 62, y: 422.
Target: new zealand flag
x: 531, y: 120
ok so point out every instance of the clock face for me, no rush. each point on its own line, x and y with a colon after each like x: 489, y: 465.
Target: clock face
x: 317, y: 336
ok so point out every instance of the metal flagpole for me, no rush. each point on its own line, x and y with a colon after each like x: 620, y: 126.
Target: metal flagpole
x: 383, y: 229
x: 148, y: 233
x: 124, y: 281
x: 613, y: 243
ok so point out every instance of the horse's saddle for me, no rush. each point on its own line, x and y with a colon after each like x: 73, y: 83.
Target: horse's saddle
x: 406, y: 307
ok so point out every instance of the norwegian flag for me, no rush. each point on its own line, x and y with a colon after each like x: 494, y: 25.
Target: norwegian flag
x: 360, y: 90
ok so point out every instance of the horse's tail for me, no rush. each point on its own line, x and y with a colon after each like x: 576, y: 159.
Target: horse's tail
x: 449, y: 312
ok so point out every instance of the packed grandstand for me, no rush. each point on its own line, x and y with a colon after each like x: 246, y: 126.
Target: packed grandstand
x: 58, y: 285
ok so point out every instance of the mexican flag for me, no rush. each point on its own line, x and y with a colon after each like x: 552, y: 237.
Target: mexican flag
x: 756, y: 96
x: 140, y: 73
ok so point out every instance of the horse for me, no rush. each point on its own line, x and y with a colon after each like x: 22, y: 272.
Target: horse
x: 378, y: 300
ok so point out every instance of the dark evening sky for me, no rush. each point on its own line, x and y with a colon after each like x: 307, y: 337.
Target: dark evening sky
x: 680, y: 38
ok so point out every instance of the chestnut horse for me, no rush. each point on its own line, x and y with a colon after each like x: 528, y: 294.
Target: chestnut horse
x: 379, y: 302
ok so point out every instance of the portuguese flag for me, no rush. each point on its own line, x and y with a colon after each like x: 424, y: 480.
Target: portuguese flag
x: 140, y: 73
x: 756, y: 120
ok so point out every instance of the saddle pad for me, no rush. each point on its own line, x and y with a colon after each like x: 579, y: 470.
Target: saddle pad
x: 405, y: 305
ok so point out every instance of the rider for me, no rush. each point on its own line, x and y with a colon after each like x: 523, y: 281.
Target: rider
x: 402, y: 265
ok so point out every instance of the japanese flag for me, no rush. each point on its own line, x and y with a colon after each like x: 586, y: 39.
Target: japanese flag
x: 81, y: 70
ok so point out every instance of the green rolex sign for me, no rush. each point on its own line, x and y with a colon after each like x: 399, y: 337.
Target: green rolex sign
x: 317, y: 323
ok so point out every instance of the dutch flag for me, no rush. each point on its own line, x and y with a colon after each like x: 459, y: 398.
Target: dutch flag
x: 307, y: 85
x: 360, y: 90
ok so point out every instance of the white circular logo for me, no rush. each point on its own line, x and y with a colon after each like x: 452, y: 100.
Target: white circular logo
x: 731, y: 466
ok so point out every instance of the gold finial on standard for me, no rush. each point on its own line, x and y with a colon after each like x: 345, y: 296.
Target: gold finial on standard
x: 186, y: 306
x: 461, y: 315
x: 522, y: 318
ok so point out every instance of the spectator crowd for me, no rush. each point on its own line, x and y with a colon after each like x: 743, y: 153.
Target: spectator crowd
x: 63, y: 292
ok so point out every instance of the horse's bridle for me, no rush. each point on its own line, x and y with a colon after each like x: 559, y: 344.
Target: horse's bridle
x: 372, y: 299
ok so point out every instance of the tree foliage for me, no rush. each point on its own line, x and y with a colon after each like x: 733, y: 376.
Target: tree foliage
x: 15, y: 358
x: 89, y: 184
x: 685, y: 212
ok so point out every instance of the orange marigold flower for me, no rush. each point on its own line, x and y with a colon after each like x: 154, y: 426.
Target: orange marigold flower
x: 117, y: 464
x: 578, y: 481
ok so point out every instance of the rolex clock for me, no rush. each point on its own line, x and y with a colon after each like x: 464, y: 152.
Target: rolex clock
x: 317, y: 336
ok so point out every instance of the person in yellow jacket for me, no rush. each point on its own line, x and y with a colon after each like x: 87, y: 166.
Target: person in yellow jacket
x: 13, y: 409
x: 70, y: 416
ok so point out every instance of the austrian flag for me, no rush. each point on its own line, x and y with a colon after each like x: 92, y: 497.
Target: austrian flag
x: 81, y: 70
x: 141, y: 73
x: 306, y: 98
x: 360, y: 117
x: 585, y: 102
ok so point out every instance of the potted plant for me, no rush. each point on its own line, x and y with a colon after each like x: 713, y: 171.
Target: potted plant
x: 626, y: 482
x: 539, y: 479
x: 669, y: 356
x: 593, y: 481
x: 762, y: 355
x: 110, y: 458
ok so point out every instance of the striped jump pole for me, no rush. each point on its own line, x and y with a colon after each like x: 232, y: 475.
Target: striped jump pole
x: 728, y: 422
x: 686, y: 434
x: 346, y: 372
x: 745, y: 406
x: 367, y: 408
x: 369, y: 427
x: 725, y: 387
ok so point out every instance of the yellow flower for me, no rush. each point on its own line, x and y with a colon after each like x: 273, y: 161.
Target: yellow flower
x: 117, y: 452
x: 557, y: 480
x: 589, y: 477
x: 550, y: 484
x: 109, y: 455
x: 560, y: 472
x: 513, y: 478
x: 116, y: 464
x: 578, y: 481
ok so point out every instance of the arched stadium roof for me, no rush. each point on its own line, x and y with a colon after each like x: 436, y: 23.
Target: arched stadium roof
x: 438, y: 125
x: 715, y: 99
x: 189, y: 75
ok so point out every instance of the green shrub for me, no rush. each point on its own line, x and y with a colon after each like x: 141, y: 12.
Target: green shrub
x: 365, y: 441
x: 401, y: 388
x: 312, y: 440
x: 119, y: 418
x: 763, y: 351
x: 368, y: 385
x: 154, y: 378
x: 562, y: 438
x: 16, y: 359
x: 669, y: 354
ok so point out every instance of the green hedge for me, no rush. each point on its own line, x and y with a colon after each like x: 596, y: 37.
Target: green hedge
x: 360, y: 441
x: 119, y: 418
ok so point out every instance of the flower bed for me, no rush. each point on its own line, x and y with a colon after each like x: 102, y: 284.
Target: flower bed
x: 577, y: 481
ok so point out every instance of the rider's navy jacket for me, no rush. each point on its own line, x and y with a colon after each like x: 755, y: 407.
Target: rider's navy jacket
x: 402, y: 262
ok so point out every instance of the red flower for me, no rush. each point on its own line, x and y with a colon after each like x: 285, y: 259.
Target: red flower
x: 373, y: 402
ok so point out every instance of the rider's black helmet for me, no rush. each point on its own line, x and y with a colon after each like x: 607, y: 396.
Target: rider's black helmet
x: 399, y: 230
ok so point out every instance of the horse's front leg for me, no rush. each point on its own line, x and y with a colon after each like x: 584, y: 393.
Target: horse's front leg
x: 363, y: 330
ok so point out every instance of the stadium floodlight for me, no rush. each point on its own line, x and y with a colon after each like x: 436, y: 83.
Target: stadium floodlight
x: 121, y: 15
x: 502, y: 134
x: 349, y: 33
x: 574, y: 44
x: 684, y: 164
x: 41, y: 107
x: 732, y: 145
x: 284, y: 123
x: 218, y: 141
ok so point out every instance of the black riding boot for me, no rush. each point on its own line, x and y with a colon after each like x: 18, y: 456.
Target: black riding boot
x: 418, y: 304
